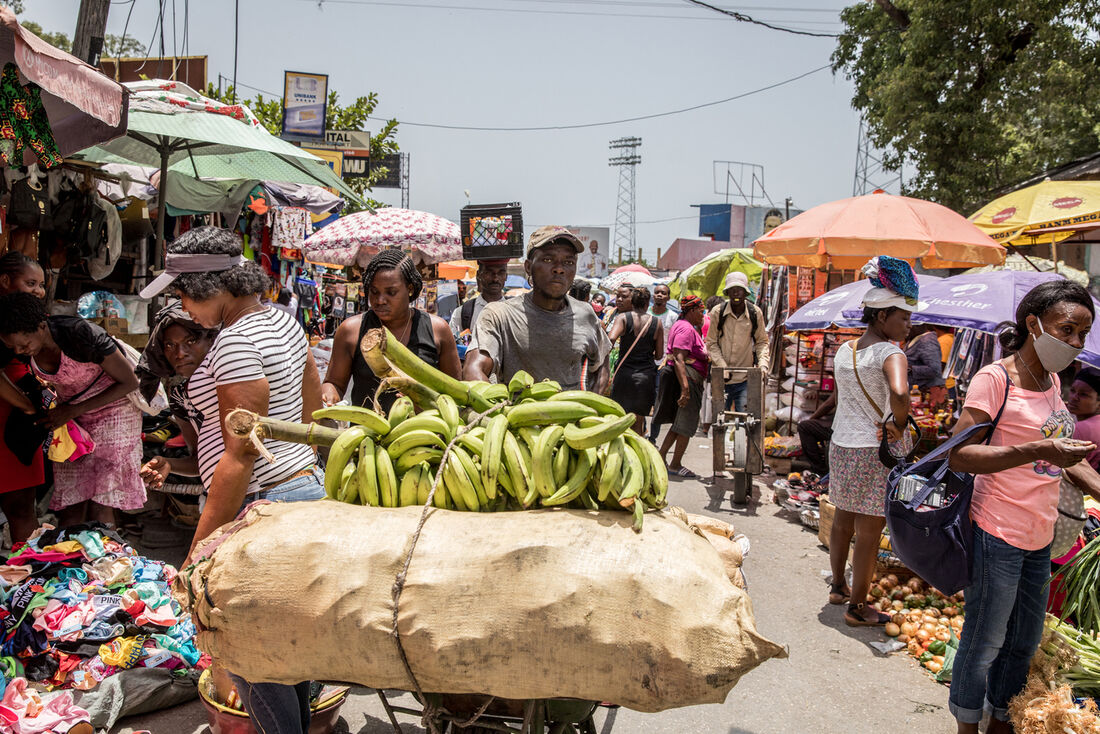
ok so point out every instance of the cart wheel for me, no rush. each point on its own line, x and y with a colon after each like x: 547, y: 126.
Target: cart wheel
x: 742, y: 487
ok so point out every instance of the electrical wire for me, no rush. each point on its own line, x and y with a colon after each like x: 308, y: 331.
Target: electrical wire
x: 610, y: 122
x: 395, y: 3
x: 125, y: 27
x: 748, y: 19
x: 160, y: 19
x: 678, y: 4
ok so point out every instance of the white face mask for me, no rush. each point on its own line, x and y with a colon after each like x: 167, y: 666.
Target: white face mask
x: 1054, y: 354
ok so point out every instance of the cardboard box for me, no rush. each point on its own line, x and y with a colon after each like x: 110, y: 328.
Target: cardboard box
x: 112, y: 325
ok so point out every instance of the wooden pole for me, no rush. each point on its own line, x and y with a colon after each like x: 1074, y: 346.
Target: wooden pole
x: 91, y: 29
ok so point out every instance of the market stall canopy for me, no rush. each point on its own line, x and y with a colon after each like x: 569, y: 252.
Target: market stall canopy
x: 831, y: 309
x: 1049, y: 211
x: 458, y: 270
x: 84, y: 107
x: 845, y: 234
x: 684, y: 253
x: 174, y: 127
x: 632, y: 268
x: 706, y: 277
x: 358, y: 237
x: 1030, y: 264
x: 634, y: 278
x: 987, y: 302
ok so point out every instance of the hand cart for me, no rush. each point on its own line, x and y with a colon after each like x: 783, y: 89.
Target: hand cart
x: 472, y: 714
x: 737, y: 438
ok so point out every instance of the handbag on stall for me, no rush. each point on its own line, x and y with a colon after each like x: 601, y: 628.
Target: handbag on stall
x: 928, y: 510
x: 30, y: 206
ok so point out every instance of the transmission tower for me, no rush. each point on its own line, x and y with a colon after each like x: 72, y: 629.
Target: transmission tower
x: 625, y: 156
x: 870, y: 175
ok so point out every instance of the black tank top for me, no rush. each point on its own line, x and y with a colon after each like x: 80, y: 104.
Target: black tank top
x: 421, y: 343
x: 640, y: 358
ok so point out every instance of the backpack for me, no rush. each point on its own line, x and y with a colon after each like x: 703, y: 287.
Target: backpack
x: 467, y: 315
x: 754, y: 320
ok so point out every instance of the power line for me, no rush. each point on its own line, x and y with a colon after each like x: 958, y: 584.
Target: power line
x: 748, y: 19
x: 679, y: 4
x: 611, y: 122
x: 395, y: 3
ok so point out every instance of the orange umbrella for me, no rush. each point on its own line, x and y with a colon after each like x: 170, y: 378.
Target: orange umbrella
x: 844, y: 234
x: 458, y: 270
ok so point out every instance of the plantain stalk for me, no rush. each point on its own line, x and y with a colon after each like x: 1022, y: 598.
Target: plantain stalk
x: 380, y: 346
x: 422, y: 396
x: 244, y: 423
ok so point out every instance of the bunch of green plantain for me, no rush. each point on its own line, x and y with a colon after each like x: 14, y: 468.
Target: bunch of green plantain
x: 535, y: 446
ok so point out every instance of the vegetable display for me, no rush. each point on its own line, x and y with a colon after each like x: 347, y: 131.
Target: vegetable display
x: 476, y: 446
x: 1080, y: 578
x: 924, y: 620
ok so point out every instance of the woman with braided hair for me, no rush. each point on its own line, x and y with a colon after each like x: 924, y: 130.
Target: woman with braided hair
x: 391, y: 282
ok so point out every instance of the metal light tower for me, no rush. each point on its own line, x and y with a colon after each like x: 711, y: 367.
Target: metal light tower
x: 870, y: 175
x: 625, y: 156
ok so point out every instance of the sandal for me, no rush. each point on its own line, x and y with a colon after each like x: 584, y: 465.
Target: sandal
x: 837, y: 595
x: 683, y: 471
x: 854, y: 617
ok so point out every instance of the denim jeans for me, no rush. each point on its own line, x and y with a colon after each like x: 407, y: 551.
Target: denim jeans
x: 278, y: 708
x: 1005, y: 609
x: 737, y: 394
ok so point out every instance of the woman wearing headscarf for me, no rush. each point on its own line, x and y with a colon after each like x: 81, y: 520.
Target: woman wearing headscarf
x: 392, y: 284
x: 872, y: 394
x: 177, y: 346
x: 682, y: 381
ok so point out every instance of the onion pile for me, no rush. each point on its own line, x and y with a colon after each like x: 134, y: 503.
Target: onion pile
x: 921, y: 617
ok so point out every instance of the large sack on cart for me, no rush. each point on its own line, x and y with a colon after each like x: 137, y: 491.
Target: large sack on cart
x: 538, y: 604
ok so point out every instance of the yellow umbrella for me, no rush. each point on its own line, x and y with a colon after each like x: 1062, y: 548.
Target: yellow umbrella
x: 1049, y: 211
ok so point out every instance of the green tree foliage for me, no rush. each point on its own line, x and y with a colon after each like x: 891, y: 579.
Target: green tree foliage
x: 974, y: 95
x: 58, y: 40
x: 117, y: 47
x: 354, y: 116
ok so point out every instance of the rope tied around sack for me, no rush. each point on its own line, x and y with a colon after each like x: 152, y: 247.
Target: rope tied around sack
x: 430, y: 709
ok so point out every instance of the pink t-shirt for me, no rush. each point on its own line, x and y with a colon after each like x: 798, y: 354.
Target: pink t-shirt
x: 1089, y: 430
x: 1019, y: 505
x: 684, y: 336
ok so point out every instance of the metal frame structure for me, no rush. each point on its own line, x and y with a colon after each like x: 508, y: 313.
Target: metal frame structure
x: 626, y: 158
x: 749, y: 190
x: 870, y: 173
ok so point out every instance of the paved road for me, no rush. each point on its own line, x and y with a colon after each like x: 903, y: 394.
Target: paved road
x: 832, y: 682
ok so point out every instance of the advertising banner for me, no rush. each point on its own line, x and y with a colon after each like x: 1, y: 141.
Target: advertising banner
x: 305, y: 104
x: 592, y: 263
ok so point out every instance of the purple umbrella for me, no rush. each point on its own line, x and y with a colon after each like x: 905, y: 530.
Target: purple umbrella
x: 840, y: 306
x: 986, y: 302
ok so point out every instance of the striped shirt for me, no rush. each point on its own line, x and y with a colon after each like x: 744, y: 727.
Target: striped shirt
x: 267, y: 345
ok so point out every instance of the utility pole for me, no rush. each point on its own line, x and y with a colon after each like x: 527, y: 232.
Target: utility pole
x: 626, y: 159
x: 91, y: 29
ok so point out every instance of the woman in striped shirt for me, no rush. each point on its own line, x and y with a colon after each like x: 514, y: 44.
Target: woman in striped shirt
x: 259, y: 361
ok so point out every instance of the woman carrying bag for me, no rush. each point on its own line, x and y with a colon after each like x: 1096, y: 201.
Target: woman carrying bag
x: 1015, y: 498
x: 871, y: 385
x: 634, y: 384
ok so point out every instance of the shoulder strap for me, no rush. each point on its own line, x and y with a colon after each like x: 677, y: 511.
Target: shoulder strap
x: 467, y: 316
x: 855, y: 370
x: 637, y: 337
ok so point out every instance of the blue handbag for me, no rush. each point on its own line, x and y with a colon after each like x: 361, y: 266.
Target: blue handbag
x: 935, y: 542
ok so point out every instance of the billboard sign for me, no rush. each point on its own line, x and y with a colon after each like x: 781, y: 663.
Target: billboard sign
x: 305, y: 104
x: 349, y: 139
x: 592, y: 263
x: 392, y: 163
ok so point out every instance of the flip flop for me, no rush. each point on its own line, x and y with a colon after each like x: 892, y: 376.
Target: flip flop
x: 683, y: 471
x: 855, y: 620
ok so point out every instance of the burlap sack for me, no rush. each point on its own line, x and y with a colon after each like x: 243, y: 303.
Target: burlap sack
x: 552, y: 603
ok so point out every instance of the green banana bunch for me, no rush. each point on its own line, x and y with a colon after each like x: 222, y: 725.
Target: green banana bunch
x: 489, y: 447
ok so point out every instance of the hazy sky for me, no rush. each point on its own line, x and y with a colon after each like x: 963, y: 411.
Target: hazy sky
x: 524, y: 63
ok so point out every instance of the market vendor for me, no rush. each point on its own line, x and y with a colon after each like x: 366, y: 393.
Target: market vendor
x: 1084, y: 403
x: 260, y: 361
x: 922, y: 351
x: 544, y: 332
x: 392, y: 284
x: 491, y: 275
x: 177, y: 346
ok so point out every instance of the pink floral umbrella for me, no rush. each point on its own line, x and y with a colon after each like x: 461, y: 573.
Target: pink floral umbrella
x: 358, y: 237
x: 632, y: 268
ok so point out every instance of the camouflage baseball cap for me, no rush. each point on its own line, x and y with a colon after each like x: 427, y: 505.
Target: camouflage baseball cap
x: 552, y: 233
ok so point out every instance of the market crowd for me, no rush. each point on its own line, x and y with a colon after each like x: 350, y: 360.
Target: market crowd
x: 222, y: 344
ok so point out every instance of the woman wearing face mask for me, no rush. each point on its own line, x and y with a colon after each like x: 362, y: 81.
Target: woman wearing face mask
x: 871, y: 386
x: 21, y: 460
x: 1015, y: 501
x: 392, y: 284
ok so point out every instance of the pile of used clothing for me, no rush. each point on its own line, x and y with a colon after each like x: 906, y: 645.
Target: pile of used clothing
x: 79, y: 605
